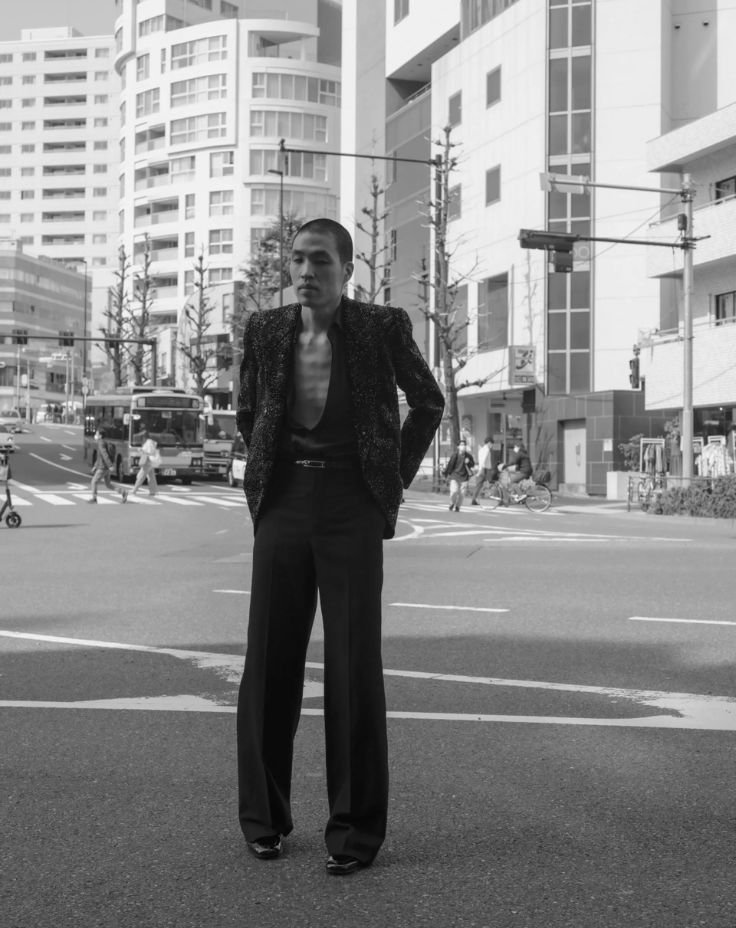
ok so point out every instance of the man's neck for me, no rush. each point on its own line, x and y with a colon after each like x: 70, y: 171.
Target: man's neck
x: 317, y: 321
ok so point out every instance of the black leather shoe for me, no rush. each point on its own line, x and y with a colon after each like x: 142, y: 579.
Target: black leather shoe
x: 343, y: 865
x: 267, y: 848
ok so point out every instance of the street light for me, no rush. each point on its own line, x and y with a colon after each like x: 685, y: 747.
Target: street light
x: 281, y: 230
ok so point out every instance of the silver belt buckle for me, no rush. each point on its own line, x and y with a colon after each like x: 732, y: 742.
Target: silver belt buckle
x: 320, y: 465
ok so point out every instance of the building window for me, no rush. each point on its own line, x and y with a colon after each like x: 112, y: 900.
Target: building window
x: 455, y: 109
x: 725, y: 188
x: 27, y: 194
x: 222, y: 163
x: 102, y: 53
x: 454, y: 202
x: 401, y: 10
x: 198, y: 52
x: 476, y: 13
x: 99, y: 191
x: 288, y: 124
x: 493, y: 86
x: 99, y: 239
x: 147, y: 102
x: 199, y: 90
x: 219, y: 275
x: 29, y: 56
x: 725, y: 306
x: 198, y: 128
x: 221, y: 203
x: 101, y: 145
x: 228, y: 10
x: 296, y: 87
x: 493, y: 185
x: 189, y: 245
x: 100, y: 122
x: 493, y: 313
x: 25, y: 126
x: 221, y: 242
x: 29, y: 78
x: 99, y: 215
x: 142, y: 67
x: 300, y: 164
x: 27, y: 172
x: 189, y: 202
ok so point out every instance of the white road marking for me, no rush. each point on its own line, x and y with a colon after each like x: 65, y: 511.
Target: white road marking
x: 690, y: 711
x: 55, y: 500
x: 69, y: 470
x: 180, y: 501
x: 45, y: 438
x: 217, y: 501
x: 68, y: 447
x: 237, y: 592
x: 17, y: 501
x: 451, y: 608
x: 646, y: 618
x: 65, y: 457
x: 101, y: 499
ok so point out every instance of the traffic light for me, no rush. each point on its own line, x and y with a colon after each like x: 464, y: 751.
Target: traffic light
x: 559, y: 243
x: 562, y: 260
x: 634, y: 378
x: 20, y: 336
x: 66, y: 339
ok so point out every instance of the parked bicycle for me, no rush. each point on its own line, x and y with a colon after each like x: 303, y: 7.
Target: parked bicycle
x: 536, y: 496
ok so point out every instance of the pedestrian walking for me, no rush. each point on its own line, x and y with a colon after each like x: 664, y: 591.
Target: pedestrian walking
x: 150, y: 459
x: 327, y: 460
x: 102, y: 468
x: 485, y: 468
x: 459, y: 470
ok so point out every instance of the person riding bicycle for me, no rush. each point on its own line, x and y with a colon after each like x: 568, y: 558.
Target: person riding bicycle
x: 519, y: 469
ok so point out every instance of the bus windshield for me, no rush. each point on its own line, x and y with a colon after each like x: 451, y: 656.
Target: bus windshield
x: 220, y: 426
x: 178, y: 428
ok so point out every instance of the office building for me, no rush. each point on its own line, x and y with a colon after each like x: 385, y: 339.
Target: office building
x: 58, y: 153
x: 605, y: 91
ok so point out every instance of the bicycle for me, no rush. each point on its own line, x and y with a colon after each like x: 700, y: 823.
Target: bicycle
x: 536, y: 496
x: 650, y: 487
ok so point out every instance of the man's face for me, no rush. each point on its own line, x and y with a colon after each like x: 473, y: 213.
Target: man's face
x: 317, y: 273
x: 462, y: 446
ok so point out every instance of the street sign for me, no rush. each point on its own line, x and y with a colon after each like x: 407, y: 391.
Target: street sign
x: 564, y: 183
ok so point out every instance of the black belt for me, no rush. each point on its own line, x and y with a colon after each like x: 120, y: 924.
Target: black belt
x: 326, y: 463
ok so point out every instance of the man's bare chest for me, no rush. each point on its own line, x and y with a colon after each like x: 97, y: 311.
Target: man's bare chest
x: 312, y: 369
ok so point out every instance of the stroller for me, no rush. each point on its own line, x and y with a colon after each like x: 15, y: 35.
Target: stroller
x: 12, y: 519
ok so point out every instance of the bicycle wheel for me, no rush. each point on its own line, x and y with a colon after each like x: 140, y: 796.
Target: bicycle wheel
x: 491, y: 496
x: 538, y: 498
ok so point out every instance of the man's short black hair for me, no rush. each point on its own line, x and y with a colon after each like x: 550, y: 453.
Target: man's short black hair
x: 341, y: 236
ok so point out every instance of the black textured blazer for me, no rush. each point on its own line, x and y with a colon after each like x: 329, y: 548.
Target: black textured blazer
x: 381, y: 355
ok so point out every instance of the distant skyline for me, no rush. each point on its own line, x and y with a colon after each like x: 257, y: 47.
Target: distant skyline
x: 92, y: 17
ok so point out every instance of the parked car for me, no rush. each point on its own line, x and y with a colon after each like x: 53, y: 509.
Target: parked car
x: 11, y: 418
x: 236, y: 465
x: 7, y: 442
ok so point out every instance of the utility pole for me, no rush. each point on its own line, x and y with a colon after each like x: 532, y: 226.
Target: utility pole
x: 562, y: 242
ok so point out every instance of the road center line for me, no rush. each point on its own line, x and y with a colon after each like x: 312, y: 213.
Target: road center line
x: 647, y: 618
x: 452, y: 608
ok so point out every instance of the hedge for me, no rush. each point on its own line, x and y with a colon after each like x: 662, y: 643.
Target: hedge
x: 713, y: 497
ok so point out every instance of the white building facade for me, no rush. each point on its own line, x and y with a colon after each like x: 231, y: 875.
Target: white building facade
x: 207, y: 98
x: 58, y: 154
x: 534, y: 88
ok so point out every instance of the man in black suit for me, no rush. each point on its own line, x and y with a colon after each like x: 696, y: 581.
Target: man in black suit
x: 327, y: 462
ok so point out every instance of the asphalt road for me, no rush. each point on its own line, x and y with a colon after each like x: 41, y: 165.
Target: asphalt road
x: 562, y: 702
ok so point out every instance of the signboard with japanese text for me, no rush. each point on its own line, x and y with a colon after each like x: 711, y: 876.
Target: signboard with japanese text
x: 522, y: 365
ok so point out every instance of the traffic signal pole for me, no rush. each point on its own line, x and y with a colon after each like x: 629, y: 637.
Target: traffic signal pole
x: 564, y: 241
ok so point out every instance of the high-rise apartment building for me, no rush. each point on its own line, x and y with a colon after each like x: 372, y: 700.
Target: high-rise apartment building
x: 560, y: 87
x: 58, y: 153
x: 209, y: 88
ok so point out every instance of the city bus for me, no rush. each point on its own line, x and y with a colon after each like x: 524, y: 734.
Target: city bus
x: 219, y: 432
x: 170, y: 416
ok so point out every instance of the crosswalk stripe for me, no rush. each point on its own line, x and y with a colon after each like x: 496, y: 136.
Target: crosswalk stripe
x: 54, y: 500
x: 216, y: 501
x: 179, y: 500
x: 103, y: 500
x: 17, y: 501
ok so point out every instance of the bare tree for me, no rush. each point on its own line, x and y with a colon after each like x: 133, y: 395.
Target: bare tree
x: 263, y: 279
x: 201, y: 349
x: 139, y: 314
x: 377, y: 258
x: 117, y: 314
x: 448, y: 316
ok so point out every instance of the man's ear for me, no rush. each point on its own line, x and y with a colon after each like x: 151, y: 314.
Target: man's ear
x: 349, y: 268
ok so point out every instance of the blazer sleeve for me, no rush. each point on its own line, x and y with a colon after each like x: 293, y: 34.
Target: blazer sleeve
x: 248, y: 393
x: 423, y: 396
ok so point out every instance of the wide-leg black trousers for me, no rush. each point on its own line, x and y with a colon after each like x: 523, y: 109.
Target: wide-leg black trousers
x: 320, y: 532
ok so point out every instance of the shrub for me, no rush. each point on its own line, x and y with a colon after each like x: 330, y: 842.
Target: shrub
x: 709, y: 497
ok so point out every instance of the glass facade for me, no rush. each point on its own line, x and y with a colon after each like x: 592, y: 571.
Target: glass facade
x: 570, y: 152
